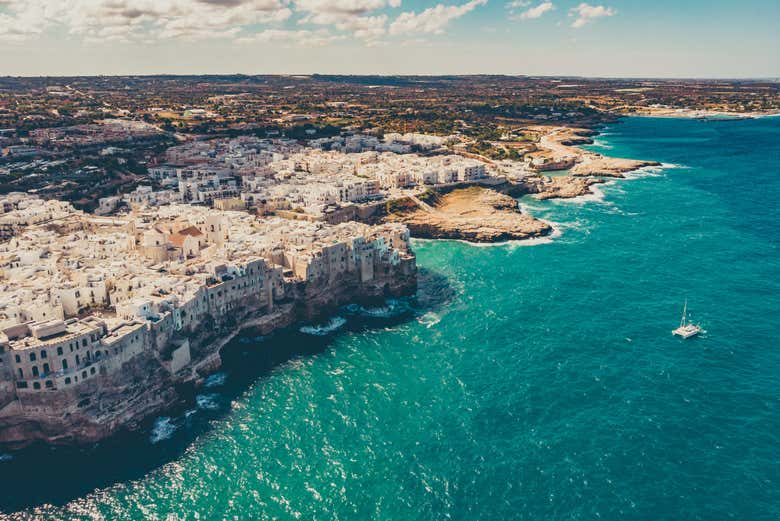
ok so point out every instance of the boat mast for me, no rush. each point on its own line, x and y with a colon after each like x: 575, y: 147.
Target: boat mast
x: 685, y: 311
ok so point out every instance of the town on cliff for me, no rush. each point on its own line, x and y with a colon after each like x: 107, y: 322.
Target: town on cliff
x: 106, y: 316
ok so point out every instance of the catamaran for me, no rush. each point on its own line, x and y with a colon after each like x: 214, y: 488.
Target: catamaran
x: 686, y: 330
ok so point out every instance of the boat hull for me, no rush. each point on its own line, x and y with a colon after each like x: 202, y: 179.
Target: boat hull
x: 686, y: 332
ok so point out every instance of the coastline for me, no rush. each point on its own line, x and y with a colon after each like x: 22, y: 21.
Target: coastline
x: 173, y: 365
x: 704, y: 114
x: 485, y: 215
x: 501, y: 200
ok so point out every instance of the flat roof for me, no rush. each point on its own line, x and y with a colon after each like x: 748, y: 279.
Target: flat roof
x: 72, y: 330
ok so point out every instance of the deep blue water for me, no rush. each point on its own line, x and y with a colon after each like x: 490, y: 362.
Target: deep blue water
x: 529, y: 382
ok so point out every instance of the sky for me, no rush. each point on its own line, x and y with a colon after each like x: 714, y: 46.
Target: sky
x: 609, y: 38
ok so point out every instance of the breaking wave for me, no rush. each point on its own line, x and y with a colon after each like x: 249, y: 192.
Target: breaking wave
x: 163, y: 429
x: 215, y: 380
x: 392, y: 308
x: 324, y: 329
x: 207, y: 402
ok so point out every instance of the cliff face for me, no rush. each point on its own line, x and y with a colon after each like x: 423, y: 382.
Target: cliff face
x: 149, y: 384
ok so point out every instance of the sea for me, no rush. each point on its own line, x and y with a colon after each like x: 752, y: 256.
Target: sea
x: 524, y: 381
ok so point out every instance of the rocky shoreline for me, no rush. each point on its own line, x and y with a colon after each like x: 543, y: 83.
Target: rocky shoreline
x: 490, y: 213
x: 112, y: 405
x: 475, y: 214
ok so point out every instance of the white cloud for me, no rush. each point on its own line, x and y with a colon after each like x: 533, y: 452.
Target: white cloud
x: 535, y: 12
x: 302, y: 38
x: 344, y: 7
x: 136, y: 19
x: 362, y: 27
x: 148, y: 20
x: 585, y: 13
x: 352, y: 16
x: 432, y: 20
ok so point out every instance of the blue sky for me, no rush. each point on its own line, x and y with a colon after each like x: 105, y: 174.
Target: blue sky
x: 660, y: 38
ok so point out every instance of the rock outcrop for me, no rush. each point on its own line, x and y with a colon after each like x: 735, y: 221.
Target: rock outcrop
x: 559, y: 187
x: 596, y: 165
x: 473, y: 214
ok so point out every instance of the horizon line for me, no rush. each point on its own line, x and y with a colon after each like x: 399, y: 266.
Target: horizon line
x: 381, y: 75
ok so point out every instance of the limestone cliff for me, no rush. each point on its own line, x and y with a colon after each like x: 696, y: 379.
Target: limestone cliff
x: 150, y: 383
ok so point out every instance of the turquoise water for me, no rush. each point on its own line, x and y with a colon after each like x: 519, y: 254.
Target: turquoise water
x: 529, y: 382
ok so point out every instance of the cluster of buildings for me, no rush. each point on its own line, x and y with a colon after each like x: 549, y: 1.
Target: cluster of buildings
x: 391, y: 142
x: 81, y: 296
x: 280, y: 174
x: 107, y: 131
x: 19, y: 211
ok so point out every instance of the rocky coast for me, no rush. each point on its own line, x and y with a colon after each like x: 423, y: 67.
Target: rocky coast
x: 489, y: 213
x: 474, y: 214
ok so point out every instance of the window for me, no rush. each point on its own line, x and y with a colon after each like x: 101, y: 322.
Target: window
x: 84, y: 342
x: 92, y: 370
x: 46, y: 369
x: 18, y: 359
x: 78, y: 360
x: 32, y: 357
x: 36, y: 385
x: 59, y: 350
x: 65, y: 363
x: 67, y: 381
x: 83, y: 374
x: 49, y: 384
x: 21, y: 373
x: 43, y: 354
x: 21, y: 385
x: 35, y: 370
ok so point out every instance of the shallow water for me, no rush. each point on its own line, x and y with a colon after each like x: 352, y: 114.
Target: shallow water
x: 546, y: 386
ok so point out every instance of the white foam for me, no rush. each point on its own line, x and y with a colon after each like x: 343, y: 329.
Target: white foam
x: 393, y: 308
x: 208, y: 402
x: 215, y: 380
x: 429, y: 319
x: 6, y: 457
x: 596, y: 195
x: 601, y: 144
x: 163, y: 429
x: 324, y: 329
